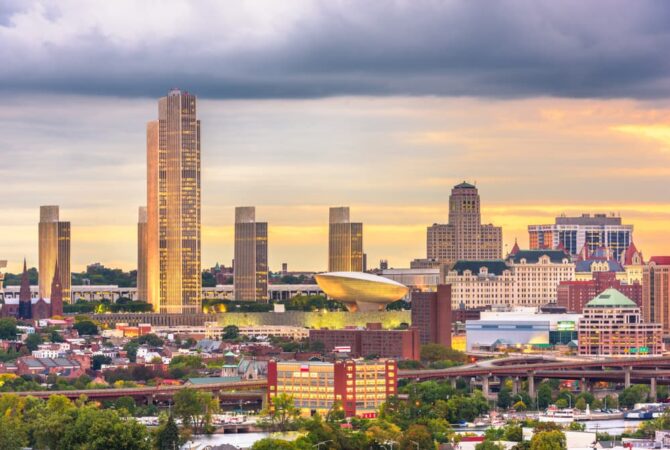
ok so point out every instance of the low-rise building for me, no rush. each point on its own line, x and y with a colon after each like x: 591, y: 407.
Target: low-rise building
x: 370, y: 341
x: 612, y: 326
x: 574, y: 295
x: 359, y: 386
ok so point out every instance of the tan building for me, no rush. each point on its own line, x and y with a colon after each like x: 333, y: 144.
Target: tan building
x: 173, y: 206
x: 611, y: 326
x: 142, y: 254
x: 526, y: 278
x: 250, y: 276
x: 345, y: 242
x: 464, y: 237
x: 656, y: 292
x: 54, y: 248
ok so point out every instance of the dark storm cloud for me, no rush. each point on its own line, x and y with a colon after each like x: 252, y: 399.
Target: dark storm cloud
x: 491, y: 49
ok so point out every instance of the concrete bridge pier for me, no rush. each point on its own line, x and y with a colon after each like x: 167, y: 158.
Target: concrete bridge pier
x: 531, y: 384
x: 453, y: 380
x: 584, y: 385
x: 652, y: 389
x: 627, y: 370
x: 485, y: 386
x: 516, y: 385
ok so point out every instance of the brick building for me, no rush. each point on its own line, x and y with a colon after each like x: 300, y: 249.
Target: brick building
x: 656, y: 292
x: 360, y: 386
x: 574, y: 295
x: 431, y: 314
x: 371, y: 341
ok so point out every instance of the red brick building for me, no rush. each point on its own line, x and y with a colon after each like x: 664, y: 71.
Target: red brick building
x: 431, y: 314
x: 371, y: 341
x: 574, y: 295
x: 360, y: 386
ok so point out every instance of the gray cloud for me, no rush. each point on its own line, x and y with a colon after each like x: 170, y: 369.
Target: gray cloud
x: 313, y: 49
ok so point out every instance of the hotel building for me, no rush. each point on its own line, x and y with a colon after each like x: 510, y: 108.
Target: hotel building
x: 345, y: 242
x: 573, y: 233
x: 612, y: 326
x: 250, y: 274
x: 359, y: 386
x: 173, y: 206
x: 54, y: 248
x: 656, y: 292
x: 464, y: 237
x: 526, y: 278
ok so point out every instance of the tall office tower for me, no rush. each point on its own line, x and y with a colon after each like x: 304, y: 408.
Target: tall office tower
x: 464, y: 237
x: 345, y: 242
x: 54, y: 248
x: 586, y: 233
x: 250, y: 275
x: 173, y: 206
x: 656, y: 292
x: 142, y: 254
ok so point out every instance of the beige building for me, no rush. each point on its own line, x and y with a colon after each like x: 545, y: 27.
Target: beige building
x: 250, y: 276
x: 173, y: 206
x: 656, y: 292
x: 464, y: 237
x: 54, y: 248
x: 526, y: 278
x: 142, y: 253
x: 345, y: 242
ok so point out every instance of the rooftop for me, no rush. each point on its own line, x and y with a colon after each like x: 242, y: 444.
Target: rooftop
x: 611, y: 298
x: 533, y: 256
x: 493, y: 266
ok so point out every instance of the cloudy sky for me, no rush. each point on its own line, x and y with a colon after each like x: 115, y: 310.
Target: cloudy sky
x: 550, y: 107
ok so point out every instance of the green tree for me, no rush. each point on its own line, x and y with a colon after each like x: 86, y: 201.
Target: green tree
x: 417, y: 436
x: 33, y: 341
x: 273, y: 444
x: 98, y: 360
x: 635, y: 394
x: 167, y: 437
x: 230, y: 332
x: 513, y: 432
x: 281, y: 412
x: 125, y: 403
x: 86, y: 328
x: 438, y: 352
x: 8, y: 329
x: 505, y: 397
x: 548, y: 440
x: 13, y: 432
x: 150, y: 339
x: 544, y: 395
x: 195, y: 408
x: 489, y: 445
x: 580, y: 404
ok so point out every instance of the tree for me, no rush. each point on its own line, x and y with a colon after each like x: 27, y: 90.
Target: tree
x: 167, y: 437
x: 417, y: 436
x: 8, y: 329
x: 230, y: 332
x: 489, y: 445
x: 98, y: 360
x: 13, y: 433
x: 317, y: 346
x: 33, y: 341
x: 438, y: 352
x: 548, y: 440
x: 281, y: 412
x: 632, y: 395
x: 505, y: 397
x: 562, y: 403
x: 195, y: 408
x: 86, y: 328
x: 127, y: 403
x: 544, y: 398
x: 150, y: 339
x: 273, y: 444
x: 513, y: 432
x: 580, y: 404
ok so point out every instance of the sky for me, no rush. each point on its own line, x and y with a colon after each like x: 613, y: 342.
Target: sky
x: 549, y: 107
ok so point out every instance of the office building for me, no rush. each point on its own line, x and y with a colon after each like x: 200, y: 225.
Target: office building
x: 574, y: 295
x: 573, y: 233
x: 612, y: 325
x: 431, y: 314
x: 142, y: 254
x: 173, y: 206
x: 656, y: 292
x: 54, y: 249
x: 464, y: 237
x: 370, y: 341
x: 345, y: 242
x: 422, y: 280
x: 359, y: 386
x: 526, y: 278
x: 250, y: 273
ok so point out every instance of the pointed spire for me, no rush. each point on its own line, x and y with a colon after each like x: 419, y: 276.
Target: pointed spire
x: 56, y: 294
x: 25, y: 301
x: 515, y: 249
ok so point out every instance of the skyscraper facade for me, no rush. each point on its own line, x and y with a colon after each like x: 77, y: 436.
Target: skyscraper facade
x: 656, y: 292
x: 142, y: 254
x: 345, y: 242
x: 54, y: 248
x: 586, y: 232
x: 250, y: 275
x: 173, y: 206
x: 464, y: 237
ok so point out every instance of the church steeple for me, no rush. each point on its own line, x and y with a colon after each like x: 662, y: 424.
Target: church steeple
x: 56, y: 294
x: 25, y: 302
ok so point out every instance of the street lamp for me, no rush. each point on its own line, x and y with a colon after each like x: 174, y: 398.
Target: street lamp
x: 569, y: 399
x: 415, y: 443
x: 319, y: 444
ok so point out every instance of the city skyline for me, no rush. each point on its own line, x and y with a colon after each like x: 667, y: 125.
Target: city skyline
x: 558, y: 131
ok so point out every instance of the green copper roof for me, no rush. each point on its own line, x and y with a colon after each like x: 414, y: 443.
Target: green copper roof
x: 611, y: 298
x: 465, y: 185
